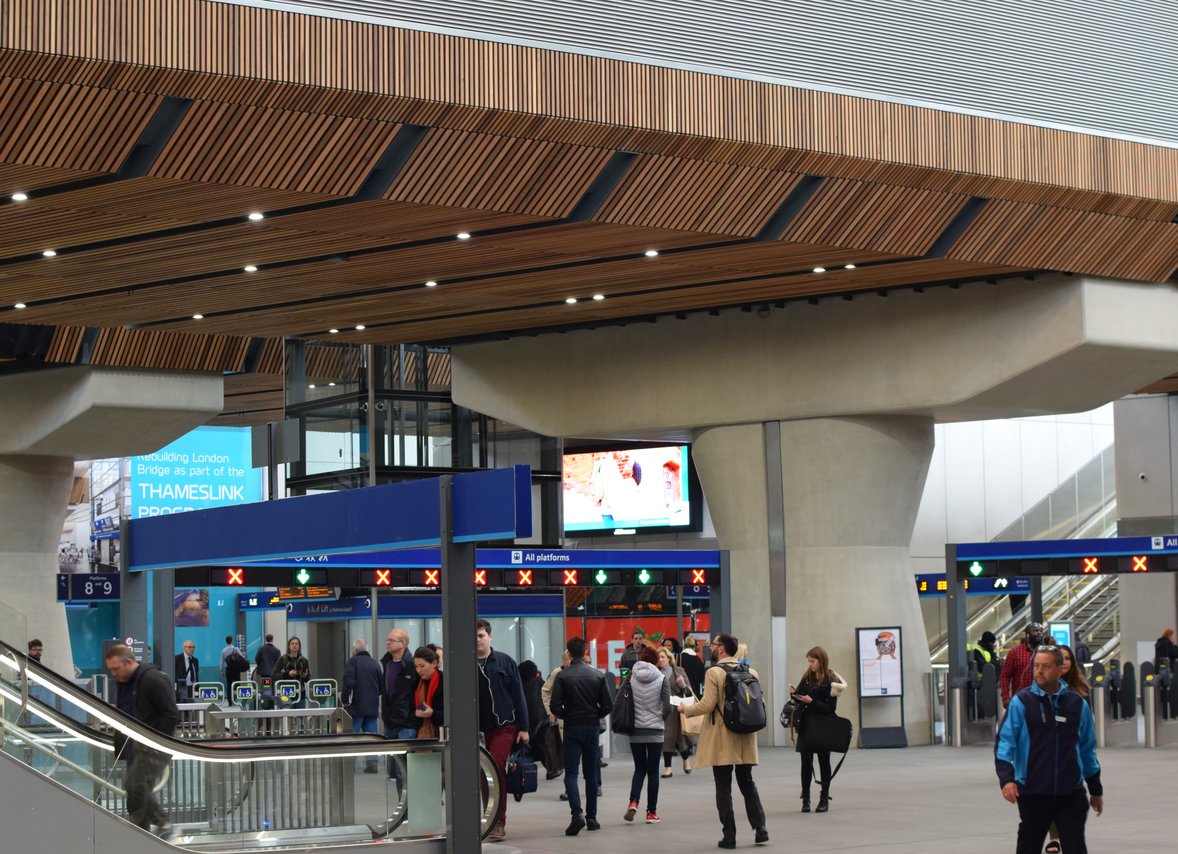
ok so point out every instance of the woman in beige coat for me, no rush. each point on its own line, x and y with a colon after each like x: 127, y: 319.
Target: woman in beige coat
x: 724, y: 750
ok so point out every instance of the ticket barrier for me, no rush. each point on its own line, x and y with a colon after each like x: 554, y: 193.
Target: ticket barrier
x: 1155, y: 696
x: 971, y: 707
x: 245, y: 695
x: 324, y: 693
x: 1116, y: 725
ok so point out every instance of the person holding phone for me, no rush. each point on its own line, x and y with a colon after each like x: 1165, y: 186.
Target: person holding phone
x: 427, y: 695
x: 817, y: 693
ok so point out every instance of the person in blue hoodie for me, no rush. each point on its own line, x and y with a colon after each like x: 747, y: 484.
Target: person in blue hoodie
x: 1045, y: 755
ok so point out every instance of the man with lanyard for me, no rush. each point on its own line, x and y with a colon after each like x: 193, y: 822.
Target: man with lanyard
x: 146, y: 695
x: 503, y: 710
x: 1016, y: 669
x: 400, y: 679
x: 1045, y: 754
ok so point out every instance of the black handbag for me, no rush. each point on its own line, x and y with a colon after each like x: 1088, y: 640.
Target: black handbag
x: 621, y: 719
x: 826, y: 733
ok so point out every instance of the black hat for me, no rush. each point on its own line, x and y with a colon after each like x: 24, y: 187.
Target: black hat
x: 988, y: 637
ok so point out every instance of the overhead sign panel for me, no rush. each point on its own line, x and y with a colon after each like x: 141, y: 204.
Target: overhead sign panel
x: 487, y: 505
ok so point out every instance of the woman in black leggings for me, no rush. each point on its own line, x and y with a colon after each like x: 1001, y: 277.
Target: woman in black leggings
x: 817, y: 693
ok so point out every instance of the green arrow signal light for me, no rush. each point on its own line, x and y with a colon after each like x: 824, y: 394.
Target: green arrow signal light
x: 976, y: 569
x: 302, y: 576
x: 643, y: 577
x: 601, y: 576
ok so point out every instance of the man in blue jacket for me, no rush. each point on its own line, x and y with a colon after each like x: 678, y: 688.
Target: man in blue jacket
x: 363, y: 678
x: 1045, y: 754
x: 503, y: 710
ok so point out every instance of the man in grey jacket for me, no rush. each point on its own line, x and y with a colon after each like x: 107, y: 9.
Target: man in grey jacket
x: 581, y: 699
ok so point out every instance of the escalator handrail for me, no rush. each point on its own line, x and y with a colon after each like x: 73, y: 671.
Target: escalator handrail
x: 222, y: 751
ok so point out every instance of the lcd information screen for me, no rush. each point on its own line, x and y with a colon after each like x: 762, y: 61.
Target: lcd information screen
x: 628, y: 489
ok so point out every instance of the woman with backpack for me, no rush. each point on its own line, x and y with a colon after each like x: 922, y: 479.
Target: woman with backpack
x: 817, y: 693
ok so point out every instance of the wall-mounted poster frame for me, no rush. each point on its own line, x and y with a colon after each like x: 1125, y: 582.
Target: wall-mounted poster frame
x: 880, y: 660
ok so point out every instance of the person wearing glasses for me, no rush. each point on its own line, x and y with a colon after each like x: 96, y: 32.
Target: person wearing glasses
x: 397, y: 706
x: 1045, y: 756
x: 726, y: 751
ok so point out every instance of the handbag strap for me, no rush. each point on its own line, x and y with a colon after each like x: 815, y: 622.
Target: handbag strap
x: 833, y: 773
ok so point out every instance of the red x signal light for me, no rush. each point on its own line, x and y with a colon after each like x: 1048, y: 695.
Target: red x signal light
x: 570, y: 578
x: 699, y: 576
x: 1091, y: 567
x: 236, y: 576
x: 525, y: 577
x: 1140, y: 563
x: 432, y: 577
x: 384, y: 578
x: 480, y: 577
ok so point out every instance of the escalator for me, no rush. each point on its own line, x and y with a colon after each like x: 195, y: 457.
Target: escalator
x: 59, y: 777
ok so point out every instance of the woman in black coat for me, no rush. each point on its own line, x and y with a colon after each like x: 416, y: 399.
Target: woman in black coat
x: 816, y: 694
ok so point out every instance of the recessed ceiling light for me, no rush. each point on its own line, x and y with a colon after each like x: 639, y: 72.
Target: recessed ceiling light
x: 198, y: 317
x: 49, y: 253
x: 333, y: 331
x: 312, y: 385
x: 598, y: 297
x: 20, y: 305
x: 848, y: 266
x: 819, y: 269
x: 652, y: 253
x: 464, y: 235
x: 431, y: 284
x: 250, y: 268
x: 332, y: 385
x: 20, y: 197
x: 360, y: 327
x: 571, y: 300
x: 256, y: 216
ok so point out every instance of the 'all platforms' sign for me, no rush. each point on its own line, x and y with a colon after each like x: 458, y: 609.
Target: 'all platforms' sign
x: 209, y: 467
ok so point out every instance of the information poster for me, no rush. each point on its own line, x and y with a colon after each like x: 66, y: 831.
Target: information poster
x: 880, y: 662
x: 209, y: 467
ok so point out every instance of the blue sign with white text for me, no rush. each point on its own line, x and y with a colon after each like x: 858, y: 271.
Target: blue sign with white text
x: 209, y: 467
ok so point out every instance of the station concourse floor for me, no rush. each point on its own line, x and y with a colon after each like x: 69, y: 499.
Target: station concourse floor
x: 918, y: 800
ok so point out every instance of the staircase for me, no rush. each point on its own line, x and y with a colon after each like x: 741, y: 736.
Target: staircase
x: 1082, y: 507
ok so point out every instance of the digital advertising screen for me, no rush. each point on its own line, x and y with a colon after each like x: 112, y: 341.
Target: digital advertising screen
x: 630, y: 489
x: 880, y: 662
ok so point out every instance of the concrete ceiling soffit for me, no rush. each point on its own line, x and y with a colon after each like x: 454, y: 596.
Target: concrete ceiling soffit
x: 1059, y: 344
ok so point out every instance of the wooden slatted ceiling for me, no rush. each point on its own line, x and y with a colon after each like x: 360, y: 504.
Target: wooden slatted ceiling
x: 64, y: 346
x: 1054, y: 238
x: 152, y: 348
x: 252, y: 399
x: 21, y: 177
x: 713, y: 198
x: 273, y: 359
x: 499, y: 173
x: 627, y: 308
x: 70, y: 127
x: 275, y: 149
x: 429, y: 71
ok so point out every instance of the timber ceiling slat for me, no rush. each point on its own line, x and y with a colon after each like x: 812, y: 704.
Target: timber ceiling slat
x: 16, y: 177
x: 78, y: 128
x: 256, y: 147
x: 155, y: 349
x: 429, y: 70
x: 63, y: 347
x: 632, y: 309
x: 897, y: 220
x: 712, y: 198
x: 498, y: 173
x: 273, y: 358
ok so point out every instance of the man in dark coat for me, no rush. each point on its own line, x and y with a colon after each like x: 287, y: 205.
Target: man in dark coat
x: 361, y: 694
x: 147, y: 695
x: 266, y: 659
x: 187, y: 671
x: 399, y: 680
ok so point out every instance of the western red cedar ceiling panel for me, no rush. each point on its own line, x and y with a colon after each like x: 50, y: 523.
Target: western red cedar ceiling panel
x: 168, y: 351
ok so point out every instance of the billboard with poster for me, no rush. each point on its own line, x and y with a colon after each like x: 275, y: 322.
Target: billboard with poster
x: 880, y: 662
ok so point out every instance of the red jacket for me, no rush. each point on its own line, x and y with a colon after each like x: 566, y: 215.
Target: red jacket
x: 1016, y: 672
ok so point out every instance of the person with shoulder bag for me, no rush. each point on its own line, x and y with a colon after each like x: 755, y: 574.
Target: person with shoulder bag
x: 675, y: 736
x: 816, y: 694
x: 650, y: 694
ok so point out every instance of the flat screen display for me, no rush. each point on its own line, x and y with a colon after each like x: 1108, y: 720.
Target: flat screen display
x: 630, y: 490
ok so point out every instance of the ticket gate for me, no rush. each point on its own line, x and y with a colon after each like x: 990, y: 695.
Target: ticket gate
x: 1114, y: 705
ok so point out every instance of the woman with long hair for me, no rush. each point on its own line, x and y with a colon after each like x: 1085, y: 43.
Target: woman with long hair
x: 652, y: 704
x: 427, y: 696
x: 817, y: 693
x: 294, y: 665
x: 674, y: 739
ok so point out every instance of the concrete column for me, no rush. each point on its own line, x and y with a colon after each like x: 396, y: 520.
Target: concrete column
x: 34, y: 492
x: 850, y: 490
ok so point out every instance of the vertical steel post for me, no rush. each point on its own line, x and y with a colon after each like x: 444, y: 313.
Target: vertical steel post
x: 459, y: 613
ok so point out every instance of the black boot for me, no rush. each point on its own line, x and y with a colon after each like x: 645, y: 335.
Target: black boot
x: 805, y: 801
x: 823, y: 802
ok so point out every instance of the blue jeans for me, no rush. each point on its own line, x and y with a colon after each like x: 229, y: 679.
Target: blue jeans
x: 580, y: 749
x: 398, y: 733
x: 366, y: 723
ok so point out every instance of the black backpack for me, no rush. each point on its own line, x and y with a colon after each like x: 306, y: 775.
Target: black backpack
x: 744, y: 705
